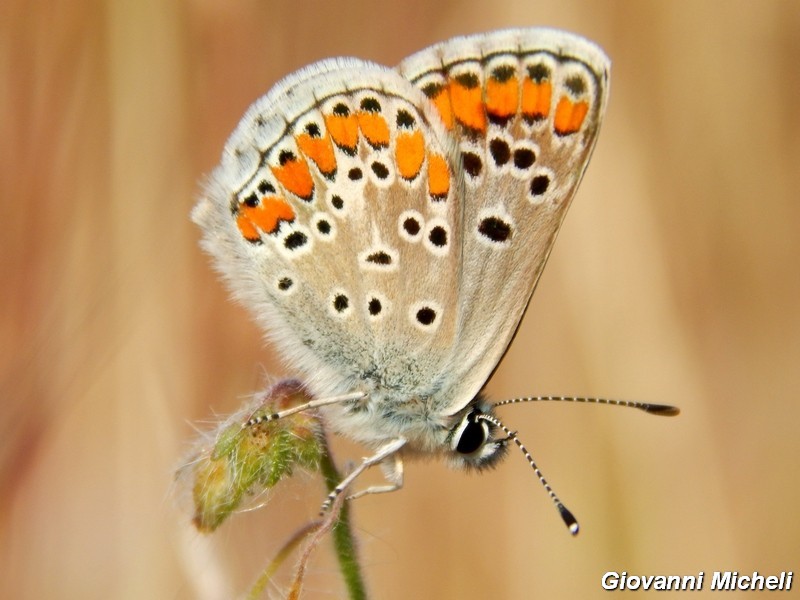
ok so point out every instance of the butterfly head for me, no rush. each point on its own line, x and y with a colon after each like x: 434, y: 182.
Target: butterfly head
x: 473, y: 440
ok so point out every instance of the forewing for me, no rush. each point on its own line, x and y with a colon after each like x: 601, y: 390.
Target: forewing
x: 525, y: 107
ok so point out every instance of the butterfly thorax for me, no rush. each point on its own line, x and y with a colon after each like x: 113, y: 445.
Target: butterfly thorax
x: 426, y: 433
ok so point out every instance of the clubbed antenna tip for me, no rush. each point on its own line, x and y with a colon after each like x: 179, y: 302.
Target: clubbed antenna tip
x: 569, y: 519
x: 662, y: 410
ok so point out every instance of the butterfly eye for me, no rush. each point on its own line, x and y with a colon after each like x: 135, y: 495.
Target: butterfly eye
x: 471, y: 434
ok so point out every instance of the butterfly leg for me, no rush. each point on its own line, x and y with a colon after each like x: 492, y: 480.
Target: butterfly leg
x: 261, y: 418
x: 395, y: 476
x: 393, y: 471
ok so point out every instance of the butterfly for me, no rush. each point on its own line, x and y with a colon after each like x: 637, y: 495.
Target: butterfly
x: 387, y: 228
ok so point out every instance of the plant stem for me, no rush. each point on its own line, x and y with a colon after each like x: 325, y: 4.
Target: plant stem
x: 343, y: 541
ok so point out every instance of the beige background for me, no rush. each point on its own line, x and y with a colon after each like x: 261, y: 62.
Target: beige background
x: 675, y: 279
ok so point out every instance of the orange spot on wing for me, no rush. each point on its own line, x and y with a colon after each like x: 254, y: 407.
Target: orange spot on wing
x: 294, y: 175
x: 343, y: 130
x: 247, y: 229
x: 267, y: 216
x: 467, y: 104
x: 319, y: 150
x: 569, y: 116
x: 579, y: 114
x: 440, y: 96
x: 438, y: 177
x: 409, y: 153
x: 374, y: 128
x: 502, y: 97
x: 536, y: 99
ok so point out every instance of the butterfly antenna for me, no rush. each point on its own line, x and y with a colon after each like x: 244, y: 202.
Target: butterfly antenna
x: 663, y: 410
x: 570, y: 521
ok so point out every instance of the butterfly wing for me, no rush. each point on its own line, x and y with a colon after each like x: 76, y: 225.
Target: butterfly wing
x: 388, y: 227
x: 334, y: 216
x: 524, y: 107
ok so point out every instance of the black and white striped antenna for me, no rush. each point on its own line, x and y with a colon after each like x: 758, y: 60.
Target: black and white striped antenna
x: 569, y: 519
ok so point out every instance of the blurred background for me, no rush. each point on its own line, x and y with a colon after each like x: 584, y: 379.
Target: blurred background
x: 675, y: 279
